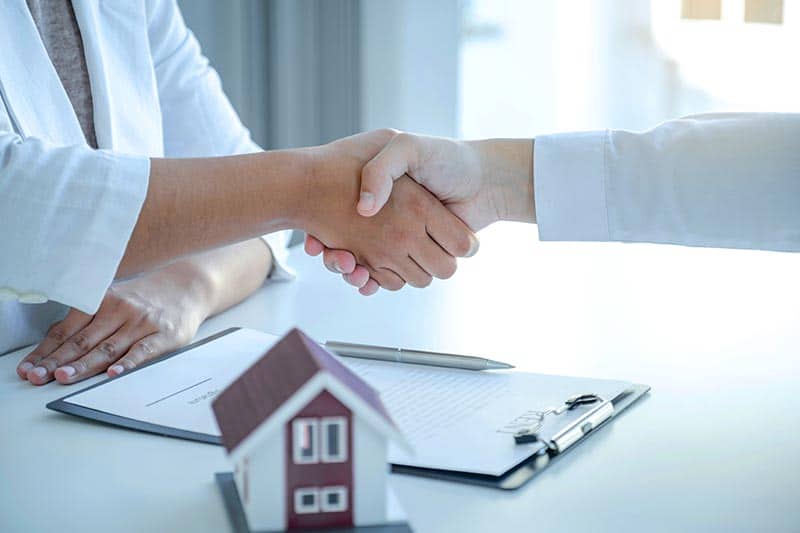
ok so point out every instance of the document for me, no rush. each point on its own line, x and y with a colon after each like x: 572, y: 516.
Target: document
x: 465, y: 421
x: 177, y: 392
x: 457, y: 420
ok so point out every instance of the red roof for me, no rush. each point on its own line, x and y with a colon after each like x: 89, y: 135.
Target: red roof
x: 274, y: 378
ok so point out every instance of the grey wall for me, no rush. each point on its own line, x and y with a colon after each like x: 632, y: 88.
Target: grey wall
x: 234, y: 36
x: 290, y: 67
x: 315, y: 85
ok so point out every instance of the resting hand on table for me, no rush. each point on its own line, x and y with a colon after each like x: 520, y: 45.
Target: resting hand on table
x: 137, y: 321
x: 148, y: 316
x: 479, y: 181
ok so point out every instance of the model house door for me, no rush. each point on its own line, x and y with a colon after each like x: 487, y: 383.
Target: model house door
x: 319, y: 472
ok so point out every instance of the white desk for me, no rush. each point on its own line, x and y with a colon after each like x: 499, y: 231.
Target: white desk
x: 716, y: 446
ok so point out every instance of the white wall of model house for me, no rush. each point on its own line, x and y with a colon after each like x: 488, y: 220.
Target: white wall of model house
x: 265, y: 501
x: 370, y: 474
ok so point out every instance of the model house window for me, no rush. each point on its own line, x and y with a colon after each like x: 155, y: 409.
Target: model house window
x: 333, y: 499
x: 305, y: 442
x: 306, y: 500
x: 334, y: 440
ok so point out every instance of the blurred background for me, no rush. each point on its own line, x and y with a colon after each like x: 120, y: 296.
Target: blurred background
x: 304, y: 72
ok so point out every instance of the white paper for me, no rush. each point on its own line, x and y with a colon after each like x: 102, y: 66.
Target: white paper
x: 454, y: 419
x: 177, y: 392
x: 465, y: 420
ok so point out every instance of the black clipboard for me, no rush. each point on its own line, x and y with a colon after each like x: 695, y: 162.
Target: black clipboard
x: 512, y: 479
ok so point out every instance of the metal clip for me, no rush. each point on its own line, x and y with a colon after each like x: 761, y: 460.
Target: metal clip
x: 585, y: 424
x: 530, y: 434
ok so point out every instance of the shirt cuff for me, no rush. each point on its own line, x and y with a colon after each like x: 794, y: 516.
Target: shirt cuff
x: 68, y: 240
x: 278, y: 244
x: 569, y: 186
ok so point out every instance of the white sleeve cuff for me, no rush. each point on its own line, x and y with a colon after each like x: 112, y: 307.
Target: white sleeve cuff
x: 569, y: 186
x: 278, y: 243
x: 68, y: 235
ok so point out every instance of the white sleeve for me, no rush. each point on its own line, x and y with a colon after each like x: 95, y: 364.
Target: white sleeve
x: 198, y: 119
x: 66, y: 214
x: 722, y: 180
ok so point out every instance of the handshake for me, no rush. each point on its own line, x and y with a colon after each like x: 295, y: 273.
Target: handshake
x: 415, y: 207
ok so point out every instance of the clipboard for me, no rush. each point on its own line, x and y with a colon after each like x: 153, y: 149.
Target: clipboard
x: 525, y: 471
x: 518, y: 474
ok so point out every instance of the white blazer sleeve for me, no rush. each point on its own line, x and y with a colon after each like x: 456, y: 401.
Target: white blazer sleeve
x: 198, y: 119
x: 66, y: 214
x: 721, y: 180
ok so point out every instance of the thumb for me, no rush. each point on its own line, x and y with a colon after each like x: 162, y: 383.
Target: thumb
x: 377, y: 176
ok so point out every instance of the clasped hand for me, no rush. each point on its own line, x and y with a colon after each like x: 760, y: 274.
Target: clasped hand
x: 413, y: 238
x: 479, y: 182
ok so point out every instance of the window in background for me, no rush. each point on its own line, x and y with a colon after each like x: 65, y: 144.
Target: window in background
x: 529, y: 68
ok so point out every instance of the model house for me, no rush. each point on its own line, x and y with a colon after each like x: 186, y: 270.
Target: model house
x: 308, y: 439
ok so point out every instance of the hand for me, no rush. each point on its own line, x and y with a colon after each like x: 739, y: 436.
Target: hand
x: 480, y: 181
x: 413, y: 239
x: 138, y: 320
x: 342, y: 262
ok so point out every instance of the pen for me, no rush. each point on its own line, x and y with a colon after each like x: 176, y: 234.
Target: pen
x: 418, y: 357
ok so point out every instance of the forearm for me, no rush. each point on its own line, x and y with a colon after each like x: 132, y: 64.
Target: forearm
x: 199, y: 204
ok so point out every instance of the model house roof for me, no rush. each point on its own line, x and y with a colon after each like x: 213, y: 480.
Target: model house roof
x: 265, y: 387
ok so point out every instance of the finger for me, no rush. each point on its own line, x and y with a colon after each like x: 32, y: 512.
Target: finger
x: 57, y: 335
x: 313, y: 246
x: 387, y: 278
x: 100, y: 358
x: 339, y: 261
x: 358, y: 278
x: 451, y: 233
x: 143, y: 351
x: 434, y: 259
x: 369, y: 288
x: 377, y: 176
x: 415, y: 275
x: 76, y: 346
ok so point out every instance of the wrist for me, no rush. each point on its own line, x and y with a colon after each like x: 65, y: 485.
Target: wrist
x: 284, y: 182
x: 198, y: 286
x: 507, y: 170
x: 306, y: 192
x: 321, y: 189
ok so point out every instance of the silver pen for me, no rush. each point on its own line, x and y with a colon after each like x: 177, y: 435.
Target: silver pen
x: 417, y: 357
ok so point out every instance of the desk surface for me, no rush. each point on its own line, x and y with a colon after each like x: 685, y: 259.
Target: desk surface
x: 714, y: 447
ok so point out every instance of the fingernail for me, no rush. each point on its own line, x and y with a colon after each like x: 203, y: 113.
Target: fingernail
x: 39, y: 371
x: 338, y: 269
x: 68, y: 371
x: 117, y: 370
x: 367, y: 201
x: 24, y: 367
x: 476, y: 244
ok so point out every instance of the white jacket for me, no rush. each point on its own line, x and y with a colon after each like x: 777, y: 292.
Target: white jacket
x: 66, y: 210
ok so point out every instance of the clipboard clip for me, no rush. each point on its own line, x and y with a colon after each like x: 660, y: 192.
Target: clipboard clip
x: 576, y: 430
x: 583, y: 426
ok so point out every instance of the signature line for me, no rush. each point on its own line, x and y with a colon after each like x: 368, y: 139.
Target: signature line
x: 178, y: 392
